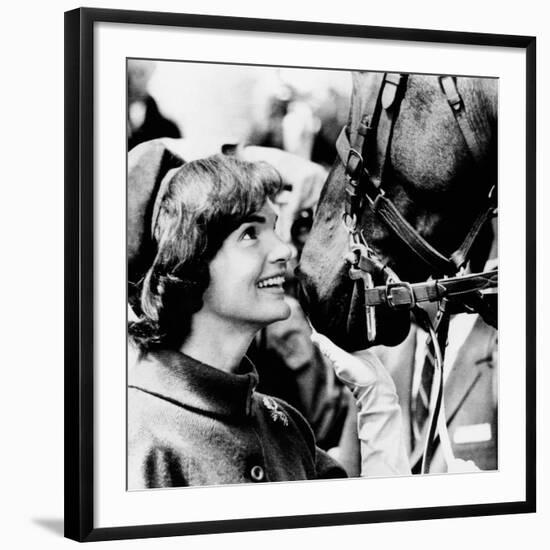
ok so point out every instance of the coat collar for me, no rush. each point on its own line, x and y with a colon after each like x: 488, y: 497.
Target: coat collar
x: 194, y: 385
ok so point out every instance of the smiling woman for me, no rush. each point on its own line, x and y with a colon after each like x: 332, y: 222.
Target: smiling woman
x: 215, y: 278
x: 198, y: 207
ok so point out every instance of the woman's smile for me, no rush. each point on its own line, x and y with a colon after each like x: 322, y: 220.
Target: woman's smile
x: 273, y: 283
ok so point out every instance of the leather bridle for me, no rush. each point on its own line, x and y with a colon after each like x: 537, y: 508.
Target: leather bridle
x: 364, y: 153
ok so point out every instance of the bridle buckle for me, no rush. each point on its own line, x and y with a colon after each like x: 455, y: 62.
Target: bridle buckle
x: 400, y: 295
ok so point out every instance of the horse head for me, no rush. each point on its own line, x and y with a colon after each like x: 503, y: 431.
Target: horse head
x: 434, y: 173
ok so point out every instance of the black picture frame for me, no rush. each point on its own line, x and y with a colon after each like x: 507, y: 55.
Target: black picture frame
x: 79, y: 269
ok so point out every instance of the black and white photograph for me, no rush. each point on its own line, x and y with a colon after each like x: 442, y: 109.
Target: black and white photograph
x: 274, y: 275
x: 312, y: 274
x: 300, y: 271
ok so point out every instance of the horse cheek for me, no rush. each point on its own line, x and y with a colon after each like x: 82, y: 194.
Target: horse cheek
x: 323, y: 272
x: 326, y: 288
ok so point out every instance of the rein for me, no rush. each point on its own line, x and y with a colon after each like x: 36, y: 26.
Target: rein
x: 364, y: 153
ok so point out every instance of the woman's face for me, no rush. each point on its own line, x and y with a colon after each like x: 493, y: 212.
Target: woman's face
x: 247, y: 274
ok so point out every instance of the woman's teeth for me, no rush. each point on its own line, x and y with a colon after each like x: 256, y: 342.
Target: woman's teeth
x: 273, y: 281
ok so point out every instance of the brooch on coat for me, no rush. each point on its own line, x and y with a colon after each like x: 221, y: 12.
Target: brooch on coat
x: 274, y: 411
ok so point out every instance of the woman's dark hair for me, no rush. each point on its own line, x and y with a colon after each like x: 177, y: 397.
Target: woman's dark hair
x: 201, y: 204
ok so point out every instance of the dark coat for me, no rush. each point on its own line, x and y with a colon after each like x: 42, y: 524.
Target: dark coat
x: 192, y: 424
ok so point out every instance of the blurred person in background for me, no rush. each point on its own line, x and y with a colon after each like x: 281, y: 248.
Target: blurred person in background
x: 271, y: 100
x: 299, y: 114
x: 145, y: 121
x: 331, y: 106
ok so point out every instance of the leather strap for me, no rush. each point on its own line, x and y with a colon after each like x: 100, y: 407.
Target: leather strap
x: 395, y: 220
x: 408, y: 234
x: 392, y: 82
x: 437, y: 339
x: 353, y: 165
x: 401, y: 295
x: 370, y: 142
x: 391, y: 93
x: 449, y: 87
x: 460, y: 256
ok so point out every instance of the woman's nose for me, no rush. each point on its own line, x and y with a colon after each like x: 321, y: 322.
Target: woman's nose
x: 280, y: 251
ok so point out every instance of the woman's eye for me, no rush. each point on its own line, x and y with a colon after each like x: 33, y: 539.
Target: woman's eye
x: 249, y: 233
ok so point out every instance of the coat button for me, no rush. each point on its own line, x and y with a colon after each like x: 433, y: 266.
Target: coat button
x: 257, y: 473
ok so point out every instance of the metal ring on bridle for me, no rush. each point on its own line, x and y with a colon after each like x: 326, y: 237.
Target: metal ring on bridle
x: 350, y: 222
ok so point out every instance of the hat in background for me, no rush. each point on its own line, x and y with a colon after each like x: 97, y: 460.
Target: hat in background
x: 148, y: 165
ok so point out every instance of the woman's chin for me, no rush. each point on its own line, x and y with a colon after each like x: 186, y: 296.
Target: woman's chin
x: 278, y: 312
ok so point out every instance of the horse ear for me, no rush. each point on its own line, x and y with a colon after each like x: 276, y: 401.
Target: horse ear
x: 148, y: 164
